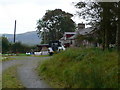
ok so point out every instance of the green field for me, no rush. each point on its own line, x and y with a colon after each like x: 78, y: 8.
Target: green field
x: 81, y: 68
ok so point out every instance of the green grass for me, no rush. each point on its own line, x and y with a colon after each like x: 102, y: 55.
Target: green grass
x: 6, y: 59
x: 41, y: 56
x: 9, y: 79
x: 19, y: 54
x: 1, y: 58
x: 81, y: 68
x: 32, y: 55
x: 22, y: 54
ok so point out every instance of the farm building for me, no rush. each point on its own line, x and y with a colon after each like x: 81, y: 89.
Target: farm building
x: 81, y: 37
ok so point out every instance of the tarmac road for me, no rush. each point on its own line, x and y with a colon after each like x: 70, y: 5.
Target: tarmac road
x: 26, y: 70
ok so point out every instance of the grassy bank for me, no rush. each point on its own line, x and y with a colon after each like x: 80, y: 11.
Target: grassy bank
x: 81, y: 68
x: 9, y: 79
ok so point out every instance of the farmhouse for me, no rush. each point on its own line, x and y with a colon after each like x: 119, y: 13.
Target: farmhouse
x: 72, y: 38
x: 65, y: 40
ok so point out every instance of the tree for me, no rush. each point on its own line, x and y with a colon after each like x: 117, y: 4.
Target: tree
x: 18, y: 47
x: 5, y: 45
x: 103, y: 17
x: 118, y: 28
x: 0, y: 44
x: 54, y: 23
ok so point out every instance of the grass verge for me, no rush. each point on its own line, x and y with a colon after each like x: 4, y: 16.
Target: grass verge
x: 6, y: 59
x: 41, y: 55
x: 81, y: 68
x: 9, y: 78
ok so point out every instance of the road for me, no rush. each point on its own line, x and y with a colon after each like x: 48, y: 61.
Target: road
x: 26, y: 70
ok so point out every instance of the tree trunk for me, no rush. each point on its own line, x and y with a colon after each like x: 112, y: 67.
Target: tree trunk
x: 103, y: 44
x: 117, y: 35
x: 106, y: 25
x: 118, y: 30
x: 118, y: 38
x: 106, y: 39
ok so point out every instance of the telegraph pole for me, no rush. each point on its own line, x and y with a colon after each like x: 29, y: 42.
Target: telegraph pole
x: 15, y: 32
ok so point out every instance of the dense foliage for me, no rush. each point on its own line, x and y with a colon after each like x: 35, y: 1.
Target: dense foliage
x: 5, y: 45
x: 17, y: 47
x: 0, y: 44
x: 53, y: 25
x: 82, y: 68
x: 104, y: 18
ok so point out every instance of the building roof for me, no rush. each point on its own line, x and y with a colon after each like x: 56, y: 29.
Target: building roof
x: 67, y: 33
x: 85, y: 31
x: 82, y: 32
x: 70, y: 33
x: 73, y: 37
x: 62, y: 38
x: 43, y: 45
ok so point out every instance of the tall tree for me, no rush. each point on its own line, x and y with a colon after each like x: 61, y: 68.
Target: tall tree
x: 102, y: 16
x: 118, y: 27
x: 54, y: 23
x: 5, y: 45
x: 0, y: 44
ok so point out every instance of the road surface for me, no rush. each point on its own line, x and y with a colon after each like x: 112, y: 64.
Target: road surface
x: 26, y: 70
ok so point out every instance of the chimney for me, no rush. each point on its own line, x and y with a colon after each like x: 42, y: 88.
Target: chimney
x: 81, y: 26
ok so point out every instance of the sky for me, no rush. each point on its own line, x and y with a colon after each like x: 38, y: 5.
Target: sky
x: 27, y: 12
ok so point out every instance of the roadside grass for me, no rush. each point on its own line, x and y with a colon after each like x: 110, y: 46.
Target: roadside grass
x: 81, y: 68
x: 41, y: 55
x: 1, y: 58
x: 32, y: 55
x: 9, y: 78
x: 6, y: 59
x: 20, y: 56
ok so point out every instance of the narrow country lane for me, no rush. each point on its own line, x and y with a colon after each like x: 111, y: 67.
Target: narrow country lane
x: 26, y: 71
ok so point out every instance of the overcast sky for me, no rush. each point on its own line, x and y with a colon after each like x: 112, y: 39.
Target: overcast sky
x: 27, y: 12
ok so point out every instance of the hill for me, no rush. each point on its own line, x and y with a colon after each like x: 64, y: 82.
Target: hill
x: 28, y: 38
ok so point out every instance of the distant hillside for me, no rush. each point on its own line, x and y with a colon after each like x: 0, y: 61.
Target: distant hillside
x: 28, y: 38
